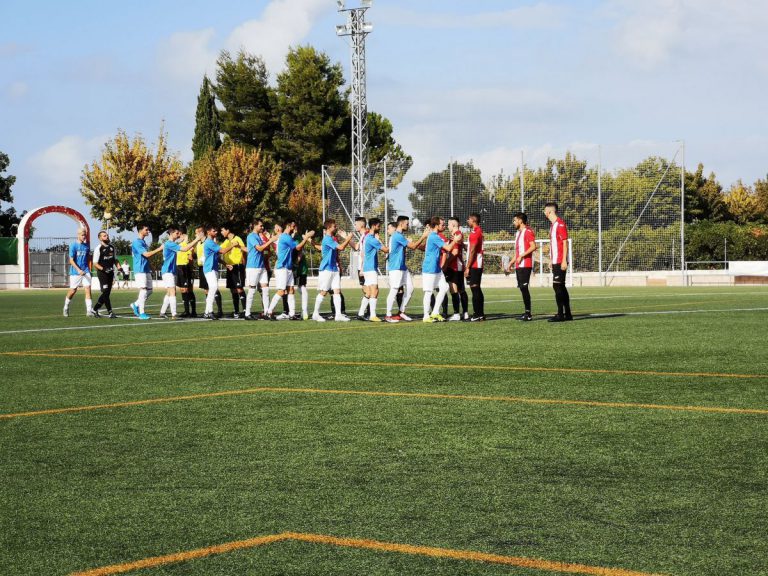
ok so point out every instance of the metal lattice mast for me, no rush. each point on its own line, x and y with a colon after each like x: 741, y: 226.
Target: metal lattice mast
x: 357, y: 29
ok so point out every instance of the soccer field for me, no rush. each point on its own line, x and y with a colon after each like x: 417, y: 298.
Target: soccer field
x: 632, y: 441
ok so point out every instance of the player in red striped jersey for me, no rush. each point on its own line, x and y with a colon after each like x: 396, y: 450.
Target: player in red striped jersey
x: 454, y: 272
x: 525, y: 245
x: 474, y: 270
x: 558, y: 257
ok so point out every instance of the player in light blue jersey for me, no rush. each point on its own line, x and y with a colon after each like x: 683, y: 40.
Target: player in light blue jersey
x: 80, y: 258
x: 371, y: 248
x: 432, y: 276
x: 142, y: 271
x: 211, y: 254
x: 171, y: 248
x: 398, y: 271
x: 330, y: 275
x: 284, y: 269
x: 256, y: 267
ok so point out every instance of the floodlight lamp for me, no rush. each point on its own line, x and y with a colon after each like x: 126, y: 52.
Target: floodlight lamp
x: 366, y: 3
x: 367, y: 27
x: 342, y: 30
x: 340, y: 4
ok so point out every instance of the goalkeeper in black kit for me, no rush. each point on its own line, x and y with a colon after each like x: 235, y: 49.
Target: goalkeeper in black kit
x: 105, y: 262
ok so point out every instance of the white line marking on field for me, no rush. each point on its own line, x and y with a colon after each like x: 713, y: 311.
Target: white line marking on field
x: 137, y: 322
x: 702, y: 311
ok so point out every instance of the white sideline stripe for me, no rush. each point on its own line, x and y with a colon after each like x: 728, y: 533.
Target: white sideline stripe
x: 136, y: 322
x: 702, y: 311
x: 765, y: 293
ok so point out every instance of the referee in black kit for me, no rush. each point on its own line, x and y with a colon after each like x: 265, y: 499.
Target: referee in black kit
x: 104, y: 261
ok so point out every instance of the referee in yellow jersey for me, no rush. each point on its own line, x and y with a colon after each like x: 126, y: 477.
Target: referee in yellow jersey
x: 185, y: 279
x: 234, y: 260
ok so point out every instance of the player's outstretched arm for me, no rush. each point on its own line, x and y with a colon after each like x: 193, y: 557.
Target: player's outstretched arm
x: 304, y: 239
x: 347, y: 239
x: 270, y: 240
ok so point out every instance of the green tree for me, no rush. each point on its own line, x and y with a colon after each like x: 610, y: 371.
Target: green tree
x: 742, y: 203
x: 432, y: 195
x: 761, y: 195
x: 137, y: 185
x: 311, y: 112
x: 207, y: 126
x: 704, y: 198
x: 8, y: 217
x: 242, y: 88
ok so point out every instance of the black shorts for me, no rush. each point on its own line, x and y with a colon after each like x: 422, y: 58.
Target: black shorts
x: 236, y: 277
x: 455, y: 277
x: 558, y: 274
x: 184, y: 276
x: 300, y: 279
x: 361, y: 278
x: 523, y: 277
x: 203, y: 281
x: 475, y: 276
x: 105, y: 279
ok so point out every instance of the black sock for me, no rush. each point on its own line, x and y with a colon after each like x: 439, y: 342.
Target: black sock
x: 566, y: 301
x: 432, y: 301
x: 192, y: 301
x: 445, y: 306
x: 285, y: 303
x: 217, y: 298
x: 399, y: 299
x: 236, y: 301
x: 343, y: 304
x: 526, y: 298
x: 455, y: 301
x: 185, y: 300
x: 464, y: 301
x: 242, y: 301
x: 558, y: 299
x: 478, y: 301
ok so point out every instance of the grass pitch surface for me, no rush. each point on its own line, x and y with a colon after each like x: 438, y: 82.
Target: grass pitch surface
x: 634, y: 438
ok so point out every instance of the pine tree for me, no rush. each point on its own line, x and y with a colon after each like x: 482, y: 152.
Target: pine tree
x: 8, y: 217
x: 207, y: 126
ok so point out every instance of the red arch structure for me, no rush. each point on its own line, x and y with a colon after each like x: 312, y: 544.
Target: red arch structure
x: 25, y: 227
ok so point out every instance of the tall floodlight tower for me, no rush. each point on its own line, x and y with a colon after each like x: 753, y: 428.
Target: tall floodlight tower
x: 357, y: 29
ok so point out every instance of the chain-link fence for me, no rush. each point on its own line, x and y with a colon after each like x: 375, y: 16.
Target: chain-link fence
x: 622, y: 204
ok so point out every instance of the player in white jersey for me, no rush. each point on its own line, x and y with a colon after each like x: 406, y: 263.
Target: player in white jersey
x: 362, y: 231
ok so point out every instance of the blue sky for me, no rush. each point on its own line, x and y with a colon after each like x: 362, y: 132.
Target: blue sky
x: 477, y: 80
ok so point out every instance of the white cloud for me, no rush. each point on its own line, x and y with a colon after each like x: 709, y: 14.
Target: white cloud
x: 653, y: 32
x: 59, y: 166
x: 185, y: 56
x: 536, y: 16
x: 283, y: 23
x: 17, y: 90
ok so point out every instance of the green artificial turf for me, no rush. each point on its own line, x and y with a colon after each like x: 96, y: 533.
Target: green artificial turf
x: 653, y: 490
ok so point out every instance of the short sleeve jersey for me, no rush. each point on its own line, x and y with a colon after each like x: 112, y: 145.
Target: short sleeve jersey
x: 234, y: 256
x: 79, y: 252
x: 330, y: 254
x: 255, y: 258
x: 104, y: 256
x: 457, y: 264
x: 140, y: 263
x: 170, y: 250
x: 558, y: 233
x: 371, y: 256
x: 285, y: 247
x: 210, y: 256
x: 476, y: 240
x: 397, y: 255
x: 182, y: 256
x: 432, y: 253
x: 523, y: 240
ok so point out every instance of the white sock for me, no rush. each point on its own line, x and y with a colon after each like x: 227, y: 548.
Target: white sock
x: 164, y: 307
x: 67, y: 302
x: 363, y: 306
x: 172, y: 300
x: 304, y: 300
x: 372, y: 305
x: 249, y: 300
x: 406, y: 296
x: 88, y: 304
x: 291, y: 304
x: 275, y: 299
x: 337, y: 304
x: 391, y: 299
x: 318, y: 303
x: 426, y: 303
x: 440, y: 297
x: 265, y: 298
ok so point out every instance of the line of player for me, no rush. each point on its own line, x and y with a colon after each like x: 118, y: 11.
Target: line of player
x: 445, y: 269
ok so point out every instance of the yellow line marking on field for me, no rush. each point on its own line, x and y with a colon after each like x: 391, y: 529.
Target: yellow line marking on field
x: 371, y: 363
x: 385, y: 394
x: 364, y: 544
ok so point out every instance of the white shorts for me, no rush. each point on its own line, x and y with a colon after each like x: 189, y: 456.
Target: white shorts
x: 256, y: 276
x: 328, y: 280
x: 143, y: 280
x: 169, y: 280
x: 371, y: 278
x: 283, y: 278
x: 398, y: 278
x: 77, y: 281
x: 430, y: 282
